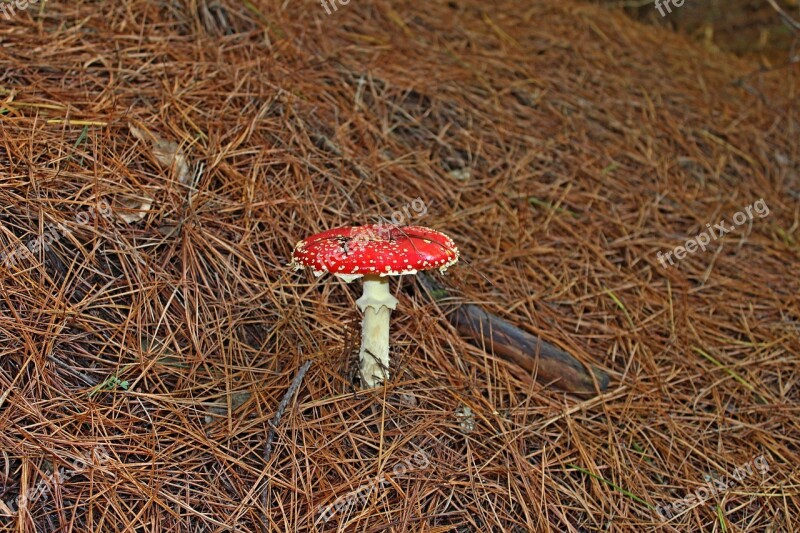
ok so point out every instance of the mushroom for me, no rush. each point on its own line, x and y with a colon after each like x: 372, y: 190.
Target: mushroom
x: 375, y: 252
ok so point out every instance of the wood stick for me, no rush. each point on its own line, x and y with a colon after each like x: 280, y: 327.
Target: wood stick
x: 538, y: 358
x: 273, y: 424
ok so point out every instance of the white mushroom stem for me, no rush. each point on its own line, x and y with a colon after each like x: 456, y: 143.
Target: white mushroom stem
x: 377, y: 304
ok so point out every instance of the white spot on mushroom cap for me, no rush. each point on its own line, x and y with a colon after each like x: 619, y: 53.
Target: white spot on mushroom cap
x: 378, y: 246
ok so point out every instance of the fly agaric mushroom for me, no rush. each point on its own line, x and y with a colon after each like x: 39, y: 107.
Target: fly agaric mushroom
x: 375, y: 252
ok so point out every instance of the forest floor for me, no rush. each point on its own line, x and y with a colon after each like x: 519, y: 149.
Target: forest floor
x: 749, y: 28
x: 622, y: 191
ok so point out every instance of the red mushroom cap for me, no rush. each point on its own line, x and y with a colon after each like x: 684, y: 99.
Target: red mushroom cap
x: 376, y: 249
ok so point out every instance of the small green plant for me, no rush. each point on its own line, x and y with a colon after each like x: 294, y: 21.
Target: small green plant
x: 110, y: 383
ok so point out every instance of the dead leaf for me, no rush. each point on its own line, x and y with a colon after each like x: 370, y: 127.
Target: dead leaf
x: 133, y: 208
x: 169, y: 154
x: 140, y: 134
x: 461, y: 174
x: 466, y: 419
x: 220, y: 407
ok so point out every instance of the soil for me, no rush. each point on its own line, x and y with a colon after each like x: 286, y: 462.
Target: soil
x: 743, y: 27
x: 160, y: 160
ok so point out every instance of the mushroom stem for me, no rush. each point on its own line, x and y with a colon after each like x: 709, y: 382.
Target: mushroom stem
x: 377, y: 304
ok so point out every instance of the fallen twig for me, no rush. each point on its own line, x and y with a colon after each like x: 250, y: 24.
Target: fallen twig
x: 282, y: 407
x: 273, y: 424
x: 792, y: 23
x: 546, y: 362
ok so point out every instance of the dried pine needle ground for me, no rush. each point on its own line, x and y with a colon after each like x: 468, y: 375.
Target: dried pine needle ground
x: 160, y: 160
